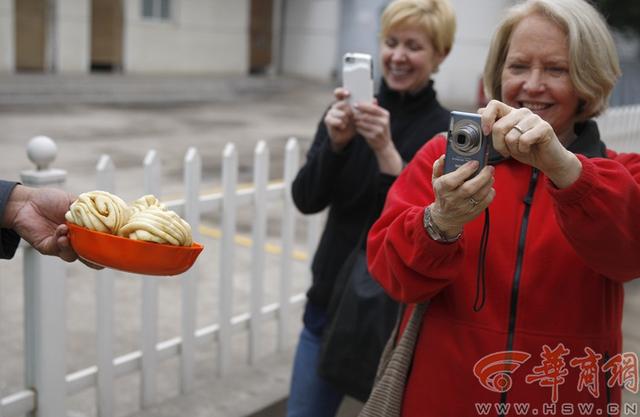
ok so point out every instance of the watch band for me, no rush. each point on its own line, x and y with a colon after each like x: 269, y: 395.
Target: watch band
x: 433, y: 231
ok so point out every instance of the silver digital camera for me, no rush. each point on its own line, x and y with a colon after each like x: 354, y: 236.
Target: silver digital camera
x: 465, y: 142
x: 357, y: 77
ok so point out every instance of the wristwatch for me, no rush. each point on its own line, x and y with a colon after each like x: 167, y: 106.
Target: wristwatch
x: 433, y: 230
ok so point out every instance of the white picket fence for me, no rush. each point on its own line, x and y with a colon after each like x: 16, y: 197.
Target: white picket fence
x: 620, y: 128
x: 45, y: 290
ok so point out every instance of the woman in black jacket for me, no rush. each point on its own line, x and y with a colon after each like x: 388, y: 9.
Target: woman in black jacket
x: 356, y: 155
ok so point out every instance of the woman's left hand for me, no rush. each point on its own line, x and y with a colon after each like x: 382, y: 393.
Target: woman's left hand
x: 372, y: 122
x: 526, y: 137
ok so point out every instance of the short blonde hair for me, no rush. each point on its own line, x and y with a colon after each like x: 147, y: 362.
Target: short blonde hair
x: 435, y: 17
x: 593, y: 61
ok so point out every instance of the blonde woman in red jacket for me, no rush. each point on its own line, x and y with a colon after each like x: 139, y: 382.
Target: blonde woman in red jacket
x: 540, y: 332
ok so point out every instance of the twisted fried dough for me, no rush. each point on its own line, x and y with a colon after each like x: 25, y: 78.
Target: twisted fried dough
x: 99, y: 210
x: 145, y: 202
x: 156, y: 225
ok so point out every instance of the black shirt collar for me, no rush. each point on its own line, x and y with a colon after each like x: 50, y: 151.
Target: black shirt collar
x: 408, y: 102
x: 588, y: 141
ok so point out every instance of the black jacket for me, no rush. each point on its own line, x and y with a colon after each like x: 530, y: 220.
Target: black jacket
x: 351, y: 185
x: 8, y: 238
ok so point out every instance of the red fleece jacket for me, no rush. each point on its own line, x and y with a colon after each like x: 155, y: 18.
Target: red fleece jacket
x: 554, y: 274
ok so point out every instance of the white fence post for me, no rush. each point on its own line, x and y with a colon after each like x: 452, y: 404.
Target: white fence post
x: 291, y: 163
x: 633, y: 128
x: 150, y: 297
x: 192, y: 175
x: 105, y: 172
x: 229, y: 186
x: 44, y: 300
x: 260, y: 182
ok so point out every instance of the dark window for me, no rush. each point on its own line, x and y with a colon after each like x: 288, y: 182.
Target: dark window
x: 156, y: 9
x: 164, y: 9
x: 147, y: 8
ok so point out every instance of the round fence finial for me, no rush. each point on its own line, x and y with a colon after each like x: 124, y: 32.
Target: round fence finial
x: 42, y: 150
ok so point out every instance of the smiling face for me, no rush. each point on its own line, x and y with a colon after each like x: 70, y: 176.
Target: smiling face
x: 408, y: 59
x: 536, y: 74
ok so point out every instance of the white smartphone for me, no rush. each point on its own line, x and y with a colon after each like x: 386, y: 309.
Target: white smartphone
x: 357, y: 77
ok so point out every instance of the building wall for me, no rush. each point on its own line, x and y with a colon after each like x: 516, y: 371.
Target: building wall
x: 202, y: 36
x: 310, y: 38
x: 7, y: 39
x: 627, y: 89
x: 74, y: 36
x: 360, y: 28
x: 458, y: 79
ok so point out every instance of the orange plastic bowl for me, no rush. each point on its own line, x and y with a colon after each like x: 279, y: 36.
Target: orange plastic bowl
x: 131, y: 255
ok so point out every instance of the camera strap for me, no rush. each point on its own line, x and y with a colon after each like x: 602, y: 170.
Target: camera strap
x: 481, y: 290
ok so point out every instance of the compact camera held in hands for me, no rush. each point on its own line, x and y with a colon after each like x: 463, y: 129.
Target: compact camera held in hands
x: 466, y: 142
x: 357, y: 77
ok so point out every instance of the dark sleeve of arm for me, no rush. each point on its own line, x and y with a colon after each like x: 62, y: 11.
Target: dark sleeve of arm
x: 313, y: 187
x: 384, y: 183
x: 8, y: 238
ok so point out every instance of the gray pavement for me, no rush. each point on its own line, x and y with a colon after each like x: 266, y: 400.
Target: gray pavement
x: 125, y: 116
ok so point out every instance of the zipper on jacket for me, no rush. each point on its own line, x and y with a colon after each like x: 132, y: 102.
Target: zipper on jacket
x: 518, y: 272
x: 607, y: 375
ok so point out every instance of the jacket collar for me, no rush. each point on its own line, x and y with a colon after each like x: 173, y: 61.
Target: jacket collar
x: 406, y: 102
x: 588, y: 141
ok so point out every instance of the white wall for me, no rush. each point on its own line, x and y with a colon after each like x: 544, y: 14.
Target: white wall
x: 202, y: 36
x: 7, y: 38
x: 459, y: 75
x: 73, y: 36
x: 310, y: 38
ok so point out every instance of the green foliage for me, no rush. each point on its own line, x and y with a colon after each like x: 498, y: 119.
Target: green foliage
x: 623, y: 15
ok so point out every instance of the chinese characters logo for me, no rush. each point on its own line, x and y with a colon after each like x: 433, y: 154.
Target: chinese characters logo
x: 494, y: 371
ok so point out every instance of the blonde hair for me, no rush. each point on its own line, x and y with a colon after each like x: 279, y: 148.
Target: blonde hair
x: 593, y: 61
x: 435, y: 17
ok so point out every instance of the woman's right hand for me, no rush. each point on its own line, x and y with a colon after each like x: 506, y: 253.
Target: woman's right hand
x: 458, y: 197
x: 339, y: 121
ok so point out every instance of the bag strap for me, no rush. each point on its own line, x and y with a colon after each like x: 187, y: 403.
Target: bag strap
x: 386, y: 397
x: 391, y: 344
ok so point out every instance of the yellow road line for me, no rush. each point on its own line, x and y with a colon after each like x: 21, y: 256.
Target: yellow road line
x: 247, y: 242
x: 215, y: 190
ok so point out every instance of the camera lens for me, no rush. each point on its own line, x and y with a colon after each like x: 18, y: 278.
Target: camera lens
x: 467, y: 137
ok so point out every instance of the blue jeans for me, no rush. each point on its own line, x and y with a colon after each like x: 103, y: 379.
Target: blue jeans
x: 310, y: 395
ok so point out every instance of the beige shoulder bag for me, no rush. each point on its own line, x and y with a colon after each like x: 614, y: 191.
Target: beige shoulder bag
x: 386, y: 396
